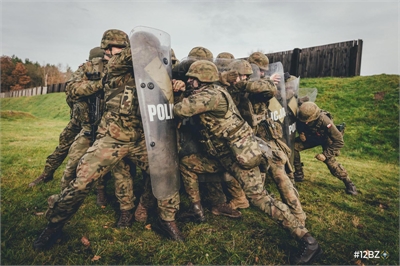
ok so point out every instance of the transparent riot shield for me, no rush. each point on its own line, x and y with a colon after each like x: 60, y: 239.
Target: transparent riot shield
x: 277, y: 108
x: 256, y: 73
x: 223, y: 63
x: 152, y: 68
x: 292, y: 92
x: 307, y: 95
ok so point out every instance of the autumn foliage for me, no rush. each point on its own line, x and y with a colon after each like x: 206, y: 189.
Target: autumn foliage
x: 18, y: 75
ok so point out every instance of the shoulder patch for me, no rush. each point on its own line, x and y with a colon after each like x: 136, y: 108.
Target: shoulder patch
x: 329, y: 125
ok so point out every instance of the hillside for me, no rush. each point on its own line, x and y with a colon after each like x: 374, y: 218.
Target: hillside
x: 368, y: 105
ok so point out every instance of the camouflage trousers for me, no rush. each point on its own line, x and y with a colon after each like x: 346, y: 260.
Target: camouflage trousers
x: 277, y: 161
x: 333, y: 165
x: 147, y: 198
x: 252, y: 184
x: 100, y: 158
x: 193, y: 165
x: 65, y: 141
x: 123, y: 182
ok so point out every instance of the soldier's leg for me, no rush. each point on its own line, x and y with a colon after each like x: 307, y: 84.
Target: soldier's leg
x: 189, y: 167
x: 147, y: 200
x: 340, y: 172
x: 288, y: 192
x: 124, y: 193
x: 55, y: 159
x: 76, y: 151
x: 239, y: 200
x: 298, y: 165
x: 167, y: 208
x: 97, y: 161
x: 218, y: 201
x: 251, y: 182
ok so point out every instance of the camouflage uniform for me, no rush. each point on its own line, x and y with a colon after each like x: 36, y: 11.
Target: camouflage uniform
x: 80, y: 89
x: 222, y: 121
x: 124, y: 138
x: 318, y: 129
x: 189, y: 146
x: 251, y: 98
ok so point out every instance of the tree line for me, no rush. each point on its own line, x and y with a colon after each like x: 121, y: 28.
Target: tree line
x: 18, y: 75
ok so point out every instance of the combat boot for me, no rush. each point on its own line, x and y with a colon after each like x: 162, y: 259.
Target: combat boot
x: 299, y: 175
x: 195, y: 213
x: 309, y: 250
x: 226, y: 210
x: 350, y: 187
x: 42, y: 178
x: 170, y: 229
x: 125, y: 219
x: 141, y: 213
x: 101, y: 197
x: 49, y: 236
x: 239, y: 203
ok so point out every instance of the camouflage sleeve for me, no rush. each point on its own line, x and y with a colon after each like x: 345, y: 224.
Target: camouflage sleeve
x: 80, y: 86
x: 207, y: 100
x: 262, y: 86
x: 334, y: 134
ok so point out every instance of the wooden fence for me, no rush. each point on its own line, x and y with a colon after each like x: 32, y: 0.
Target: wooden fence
x: 332, y: 60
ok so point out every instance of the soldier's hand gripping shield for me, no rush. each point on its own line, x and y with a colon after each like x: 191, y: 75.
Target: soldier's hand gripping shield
x: 277, y: 108
x: 152, y: 68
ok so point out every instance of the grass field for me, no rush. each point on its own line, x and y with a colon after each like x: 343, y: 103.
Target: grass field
x: 341, y: 223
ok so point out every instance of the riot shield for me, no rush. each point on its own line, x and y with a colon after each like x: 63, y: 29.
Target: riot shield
x: 292, y: 92
x: 307, y: 95
x: 152, y: 67
x: 277, y: 108
x: 256, y: 72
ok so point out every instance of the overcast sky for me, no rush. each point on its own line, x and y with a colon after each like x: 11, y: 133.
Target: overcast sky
x: 63, y: 32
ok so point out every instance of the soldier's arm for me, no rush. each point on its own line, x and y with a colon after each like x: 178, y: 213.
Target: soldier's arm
x: 201, y: 102
x: 335, y: 135
x: 80, y: 86
x: 264, y: 87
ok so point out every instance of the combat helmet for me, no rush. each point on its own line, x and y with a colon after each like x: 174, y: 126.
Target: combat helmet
x: 260, y: 59
x: 241, y: 66
x: 204, y: 71
x: 308, y: 112
x: 96, y: 52
x: 223, y: 60
x: 225, y: 55
x: 200, y: 53
x: 114, y: 37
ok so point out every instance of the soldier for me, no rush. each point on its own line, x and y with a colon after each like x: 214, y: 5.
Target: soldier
x: 316, y: 128
x: 194, y: 168
x: 251, y: 98
x: 124, y: 137
x: 231, y: 143
x: 86, y: 89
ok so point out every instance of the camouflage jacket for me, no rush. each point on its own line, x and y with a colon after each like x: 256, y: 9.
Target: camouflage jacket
x: 216, y: 110
x: 323, y: 131
x: 121, y: 118
x: 86, y: 80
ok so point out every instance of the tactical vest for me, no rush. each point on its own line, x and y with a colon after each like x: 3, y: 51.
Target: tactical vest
x: 231, y: 129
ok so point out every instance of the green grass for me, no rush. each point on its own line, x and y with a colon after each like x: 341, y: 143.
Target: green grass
x: 340, y: 222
